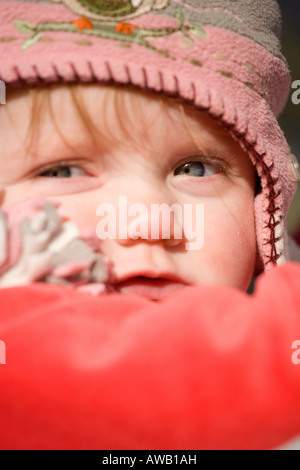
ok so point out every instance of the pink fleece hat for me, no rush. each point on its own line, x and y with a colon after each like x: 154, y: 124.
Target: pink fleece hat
x: 222, y: 56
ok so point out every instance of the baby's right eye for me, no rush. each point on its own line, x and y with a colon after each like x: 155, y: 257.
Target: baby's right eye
x: 62, y: 172
x: 65, y: 177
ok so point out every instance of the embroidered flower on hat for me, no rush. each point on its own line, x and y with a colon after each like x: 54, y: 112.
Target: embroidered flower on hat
x: 82, y: 23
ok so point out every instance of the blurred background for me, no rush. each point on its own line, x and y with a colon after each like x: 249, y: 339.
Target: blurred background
x: 290, y: 118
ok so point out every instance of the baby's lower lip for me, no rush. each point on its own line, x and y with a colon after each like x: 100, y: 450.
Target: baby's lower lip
x: 153, y: 289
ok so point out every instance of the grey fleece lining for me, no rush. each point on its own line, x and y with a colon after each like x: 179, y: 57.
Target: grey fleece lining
x: 259, y: 20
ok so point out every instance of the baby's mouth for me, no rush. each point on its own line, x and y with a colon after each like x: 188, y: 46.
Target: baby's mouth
x: 148, y: 287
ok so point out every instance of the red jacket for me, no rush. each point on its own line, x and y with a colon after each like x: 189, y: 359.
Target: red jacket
x: 209, y: 368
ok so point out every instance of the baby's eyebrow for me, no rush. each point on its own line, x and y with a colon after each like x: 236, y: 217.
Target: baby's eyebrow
x: 25, y: 162
x: 208, y: 150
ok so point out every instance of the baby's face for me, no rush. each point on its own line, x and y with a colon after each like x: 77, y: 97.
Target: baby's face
x: 148, y: 151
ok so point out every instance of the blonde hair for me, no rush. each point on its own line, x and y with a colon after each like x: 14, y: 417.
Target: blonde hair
x: 113, y: 95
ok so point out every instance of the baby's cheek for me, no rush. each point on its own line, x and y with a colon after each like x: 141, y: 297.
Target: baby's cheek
x: 230, y: 245
x: 80, y: 209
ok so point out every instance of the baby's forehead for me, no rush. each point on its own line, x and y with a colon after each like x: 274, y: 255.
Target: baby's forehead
x: 75, y: 114
x: 98, y: 101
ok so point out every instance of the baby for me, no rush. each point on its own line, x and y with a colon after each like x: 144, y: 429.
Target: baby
x: 140, y: 154
x: 149, y: 150
x: 86, y: 145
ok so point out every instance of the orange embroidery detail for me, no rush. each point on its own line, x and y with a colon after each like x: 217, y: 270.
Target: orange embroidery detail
x: 82, y: 23
x: 126, y: 28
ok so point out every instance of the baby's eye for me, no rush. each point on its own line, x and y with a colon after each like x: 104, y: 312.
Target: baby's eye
x: 63, y: 172
x: 196, y: 169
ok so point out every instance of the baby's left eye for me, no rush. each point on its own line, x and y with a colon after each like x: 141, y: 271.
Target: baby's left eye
x: 63, y: 172
x: 196, y: 169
